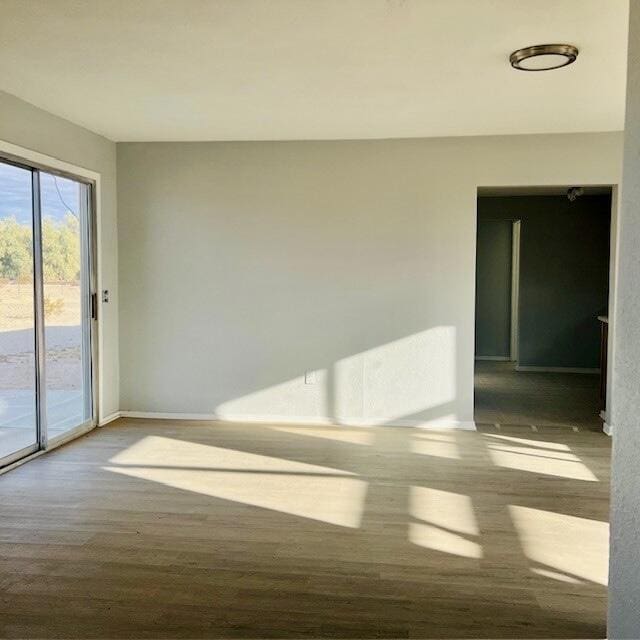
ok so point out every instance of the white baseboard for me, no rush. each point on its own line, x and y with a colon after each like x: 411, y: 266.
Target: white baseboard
x: 301, y: 420
x: 110, y: 418
x: 161, y: 415
x: 606, y: 427
x: 525, y: 368
x: 435, y: 425
x: 494, y: 358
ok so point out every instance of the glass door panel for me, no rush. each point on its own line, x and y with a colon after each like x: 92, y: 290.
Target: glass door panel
x: 18, y: 409
x: 67, y: 303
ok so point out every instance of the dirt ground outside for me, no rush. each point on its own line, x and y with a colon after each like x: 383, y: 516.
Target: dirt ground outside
x: 62, y: 305
x: 63, y: 336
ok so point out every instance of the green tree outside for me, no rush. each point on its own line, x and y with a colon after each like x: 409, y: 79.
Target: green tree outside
x: 60, y: 249
x: 16, y: 257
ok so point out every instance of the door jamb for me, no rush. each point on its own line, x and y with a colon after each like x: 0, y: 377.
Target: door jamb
x: 515, y: 289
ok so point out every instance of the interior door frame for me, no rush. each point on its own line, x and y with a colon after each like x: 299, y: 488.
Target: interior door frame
x: 515, y: 290
x: 89, y: 231
x: 609, y: 413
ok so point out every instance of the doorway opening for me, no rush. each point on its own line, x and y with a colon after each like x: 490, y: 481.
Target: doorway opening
x: 543, y: 273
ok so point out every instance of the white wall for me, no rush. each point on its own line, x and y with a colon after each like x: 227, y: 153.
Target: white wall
x: 624, y: 570
x: 243, y: 265
x: 36, y: 130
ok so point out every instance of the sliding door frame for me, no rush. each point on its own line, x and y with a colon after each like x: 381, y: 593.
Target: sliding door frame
x: 88, y: 275
x: 88, y: 229
x: 38, y: 310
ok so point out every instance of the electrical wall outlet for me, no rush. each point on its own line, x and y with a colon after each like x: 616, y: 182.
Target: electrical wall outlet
x: 310, y: 377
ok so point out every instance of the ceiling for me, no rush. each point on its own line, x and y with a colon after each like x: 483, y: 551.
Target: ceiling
x: 313, y: 69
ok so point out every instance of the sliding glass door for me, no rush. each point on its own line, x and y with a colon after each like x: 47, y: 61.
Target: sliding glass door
x: 65, y: 205
x: 46, y: 310
x: 18, y: 406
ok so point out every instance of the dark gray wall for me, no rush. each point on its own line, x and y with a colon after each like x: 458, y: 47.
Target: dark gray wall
x: 564, y: 275
x: 493, y: 288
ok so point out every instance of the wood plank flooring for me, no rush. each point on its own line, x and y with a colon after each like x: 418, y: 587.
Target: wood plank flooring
x: 506, y: 396
x: 154, y: 529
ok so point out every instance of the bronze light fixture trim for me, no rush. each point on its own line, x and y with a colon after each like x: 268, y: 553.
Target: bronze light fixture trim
x: 543, y: 57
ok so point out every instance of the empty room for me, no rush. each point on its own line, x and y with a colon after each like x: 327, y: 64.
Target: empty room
x: 319, y: 318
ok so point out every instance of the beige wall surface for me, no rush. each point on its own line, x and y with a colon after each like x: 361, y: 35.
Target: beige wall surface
x: 36, y: 130
x: 624, y: 572
x: 245, y: 265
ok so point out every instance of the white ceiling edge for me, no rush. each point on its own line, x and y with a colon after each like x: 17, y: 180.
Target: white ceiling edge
x: 363, y: 138
x: 84, y: 126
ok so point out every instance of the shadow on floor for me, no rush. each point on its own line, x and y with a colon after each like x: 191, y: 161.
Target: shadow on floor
x: 158, y: 529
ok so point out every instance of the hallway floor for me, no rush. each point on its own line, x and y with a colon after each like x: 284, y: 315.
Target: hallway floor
x: 507, y: 397
x: 158, y: 529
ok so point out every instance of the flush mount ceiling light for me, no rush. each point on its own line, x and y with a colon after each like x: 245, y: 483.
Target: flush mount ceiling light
x: 543, y: 57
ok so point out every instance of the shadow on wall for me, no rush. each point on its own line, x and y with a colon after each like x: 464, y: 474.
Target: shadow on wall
x: 390, y: 384
x: 411, y: 381
x: 563, y: 277
x: 262, y: 359
x: 374, y: 356
x: 248, y: 267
